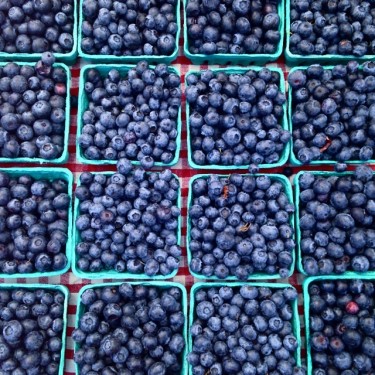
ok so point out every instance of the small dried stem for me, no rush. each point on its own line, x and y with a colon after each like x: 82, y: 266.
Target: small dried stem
x: 328, y: 143
x: 245, y: 227
x: 225, y: 192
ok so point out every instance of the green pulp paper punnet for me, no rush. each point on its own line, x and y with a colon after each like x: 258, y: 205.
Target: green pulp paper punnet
x: 112, y: 274
x: 293, y: 59
x: 284, y: 124
x: 109, y: 59
x: 241, y: 59
x: 49, y: 174
x: 297, y: 225
x: 256, y: 276
x: 83, y: 103
x: 64, y: 156
x: 68, y: 57
x: 156, y: 284
x: 306, y: 306
x: 207, y: 285
x: 293, y: 158
x: 56, y: 288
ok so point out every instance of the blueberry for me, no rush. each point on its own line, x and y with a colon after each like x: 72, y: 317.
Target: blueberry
x: 363, y: 173
x: 12, y: 331
x: 297, y: 79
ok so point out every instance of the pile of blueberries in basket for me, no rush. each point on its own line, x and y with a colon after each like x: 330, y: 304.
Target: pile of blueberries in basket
x: 244, y: 330
x: 129, y: 28
x: 128, y: 221
x: 233, y: 27
x: 37, y: 26
x: 34, y: 223
x: 33, y: 109
x: 337, y: 216
x: 32, y: 325
x: 240, y: 226
x: 342, y: 326
x: 333, y: 112
x: 332, y: 27
x: 130, y: 330
x: 133, y: 115
x: 236, y: 119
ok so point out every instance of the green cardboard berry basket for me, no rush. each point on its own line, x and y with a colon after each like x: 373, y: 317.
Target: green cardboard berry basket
x: 306, y: 307
x: 157, y: 284
x: 293, y: 158
x: 109, y: 59
x: 68, y: 58
x: 293, y: 59
x: 49, y: 174
x: 53, y: 288
x: 295, y: 319
x: 64, y: 156
x: 285, y: 125
x: 242, y: 59
x: 112, y: 274
x: 83, y: 103
x: 256, y: 276
x: 297, y: 218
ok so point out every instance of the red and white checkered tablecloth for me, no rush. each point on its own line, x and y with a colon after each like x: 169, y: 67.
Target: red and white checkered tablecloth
x: 182, y: 169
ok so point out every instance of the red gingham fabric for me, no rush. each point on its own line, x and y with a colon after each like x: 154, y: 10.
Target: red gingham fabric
x: 182, y: 169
